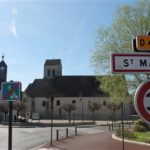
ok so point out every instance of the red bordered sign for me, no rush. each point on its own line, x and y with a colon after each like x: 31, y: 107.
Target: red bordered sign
x: 142, y: 101
x: 130, y: 63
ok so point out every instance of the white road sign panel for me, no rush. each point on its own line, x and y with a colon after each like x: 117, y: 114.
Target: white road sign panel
x: 130, y: 63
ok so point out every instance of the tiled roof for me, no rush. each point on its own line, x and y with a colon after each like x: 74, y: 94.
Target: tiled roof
x: 52, y: 62
x: 65, y: 86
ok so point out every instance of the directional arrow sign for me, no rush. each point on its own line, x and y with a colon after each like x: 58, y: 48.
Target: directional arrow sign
x: 130, y: 63
x: 11, y: 91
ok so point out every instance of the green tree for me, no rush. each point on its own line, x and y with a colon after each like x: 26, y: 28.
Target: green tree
x: 115, y: 87
x: 69, y: 108
x: 94, y: 106
x: 129, y: 21
x: 113, y: 107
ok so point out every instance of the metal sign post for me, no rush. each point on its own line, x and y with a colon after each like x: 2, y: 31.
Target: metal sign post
x: 10, y: 126
x: 10, y: 92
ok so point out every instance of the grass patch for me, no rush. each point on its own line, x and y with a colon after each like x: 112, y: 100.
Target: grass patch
x: 134, y: 135
x: 142, y: 137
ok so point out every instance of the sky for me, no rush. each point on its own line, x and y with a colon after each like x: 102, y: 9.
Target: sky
x: 33, y: 31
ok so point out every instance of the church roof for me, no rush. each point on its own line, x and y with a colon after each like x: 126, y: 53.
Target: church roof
x: 52, y: 62
x: 65, y: 86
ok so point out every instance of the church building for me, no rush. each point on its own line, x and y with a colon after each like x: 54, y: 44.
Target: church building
x: 76, y: 90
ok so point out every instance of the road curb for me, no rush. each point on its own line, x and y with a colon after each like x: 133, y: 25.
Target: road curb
x: 39, y: 147
x: 129, y: 141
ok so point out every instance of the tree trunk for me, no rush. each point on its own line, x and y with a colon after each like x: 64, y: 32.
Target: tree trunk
x: 69, y: 117
x: 114, y: 116
x: 93, y: 116
x: 112, y: 119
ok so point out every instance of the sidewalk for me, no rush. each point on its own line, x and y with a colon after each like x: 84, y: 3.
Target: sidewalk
x: 99, y: 141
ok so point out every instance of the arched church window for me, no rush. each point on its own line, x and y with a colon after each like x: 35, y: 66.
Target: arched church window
x: 43, y: 103
x: 73, y: 102
x: 58, y: 103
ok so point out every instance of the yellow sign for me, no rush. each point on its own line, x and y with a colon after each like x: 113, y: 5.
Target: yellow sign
x: 143, y: 42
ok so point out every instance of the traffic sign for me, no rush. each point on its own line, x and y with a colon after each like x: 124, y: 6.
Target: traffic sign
x: 130, y: 63
x: 142, y: 101
x: 11, y: 91
x: 143, y: 42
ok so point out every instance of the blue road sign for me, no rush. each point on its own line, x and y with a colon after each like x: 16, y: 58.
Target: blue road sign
x: 11, y: 91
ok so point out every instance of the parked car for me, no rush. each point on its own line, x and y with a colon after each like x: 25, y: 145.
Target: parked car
x: 21, y: 119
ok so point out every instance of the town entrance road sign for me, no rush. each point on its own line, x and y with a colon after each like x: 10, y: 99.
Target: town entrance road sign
x: 143, y: 42
x: 11, y: 91
x: 142, y: 101
x: 130, y: 63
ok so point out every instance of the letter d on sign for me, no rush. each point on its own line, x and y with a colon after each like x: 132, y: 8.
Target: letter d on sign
x: 142, y: 42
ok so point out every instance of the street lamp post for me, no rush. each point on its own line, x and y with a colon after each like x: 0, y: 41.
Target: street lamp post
x: 52, y: 102
x: 80, y: 95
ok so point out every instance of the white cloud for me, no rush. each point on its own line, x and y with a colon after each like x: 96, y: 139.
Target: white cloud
x: 8, y: 28
x: 13, y: 29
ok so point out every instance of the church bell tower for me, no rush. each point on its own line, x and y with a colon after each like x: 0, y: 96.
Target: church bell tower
x: 3, y: 70
x: 52, y: 68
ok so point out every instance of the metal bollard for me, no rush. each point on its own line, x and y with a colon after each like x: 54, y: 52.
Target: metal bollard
x: 66, y: 132
x: 57, y: 135
x: 112, y: 126
x: 75, y: 130
x: 109, y: 127
x: 129, y: 125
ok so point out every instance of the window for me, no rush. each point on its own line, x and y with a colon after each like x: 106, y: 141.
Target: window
x: 43, y: 103
x: 58, y: 103
x: 48, y: 72
x: 73, y: 102
x: 104, y: 103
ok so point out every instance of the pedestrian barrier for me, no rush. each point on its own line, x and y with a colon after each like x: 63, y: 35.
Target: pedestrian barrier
x: 68, y: 132
x: 119, y: 125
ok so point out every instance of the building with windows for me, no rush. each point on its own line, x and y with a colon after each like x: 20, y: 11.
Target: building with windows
x: 76, y: 90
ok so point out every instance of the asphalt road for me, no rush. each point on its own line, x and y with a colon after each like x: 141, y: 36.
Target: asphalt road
x: 28, y: 138
x: 24, y: 138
